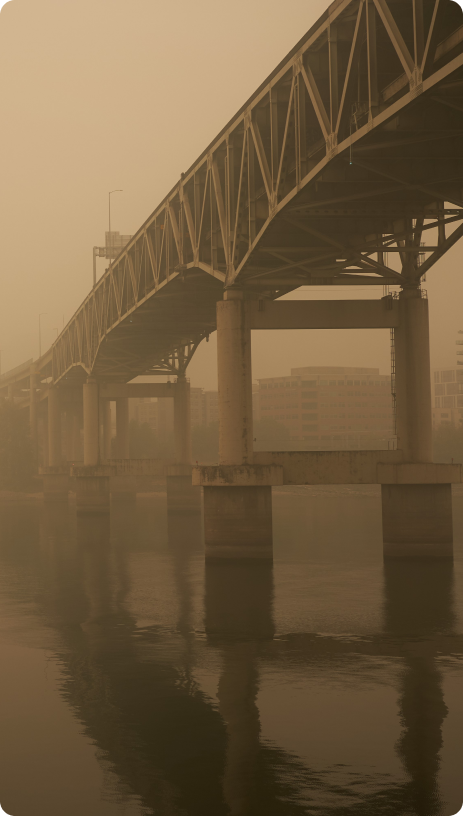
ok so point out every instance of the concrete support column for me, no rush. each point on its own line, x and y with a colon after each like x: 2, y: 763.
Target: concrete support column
x: 417, y: 518
x: 54, y: 427
x: 44, y: 440
x: 235, y: 381
x: 92, y: 486
x: 182, y: 422
x: 106, y: 415
x: 55, y: 478
x: 68, y: 433
x: 237, y: 519
x: 33, y: 413
x: 122, y: 429
x: 76, y: 452
x: 91, y: 422
x: 182, y: 497
x: 413, y: 378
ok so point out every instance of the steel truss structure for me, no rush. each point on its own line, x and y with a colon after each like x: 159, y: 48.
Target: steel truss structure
x: 349, y: 154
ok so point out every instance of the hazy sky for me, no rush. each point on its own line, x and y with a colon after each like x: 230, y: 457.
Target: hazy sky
x: 101, y: 94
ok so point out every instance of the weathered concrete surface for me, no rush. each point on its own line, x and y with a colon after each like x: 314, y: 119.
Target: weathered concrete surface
x: 238, y: 475
x: 238, y: 523
x: 328, y: 467
x: 419, y: 473
x: 417, y: 521
x: 182, y: 496
x: 322, y: 314
x: 91, y: 471
x: 234, y: 381
x: 182, y: 422
x: 140, y: 467
x: 413, y: 378
x: 92, y: 485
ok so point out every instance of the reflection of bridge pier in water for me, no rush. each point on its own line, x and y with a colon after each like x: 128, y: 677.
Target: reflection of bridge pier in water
x: 419, y: 612
x: 136, y: 693
x: 238, y: 619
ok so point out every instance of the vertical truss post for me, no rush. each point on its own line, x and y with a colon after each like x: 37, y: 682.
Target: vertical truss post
x: 418, y: 32
x: 372, y: 57
x: 275, y: 155
x: 334, y: 76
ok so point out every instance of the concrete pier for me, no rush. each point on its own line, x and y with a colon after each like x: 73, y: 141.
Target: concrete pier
x: 33, y: 413
x: 105, y: 410
x: 54, y: 427
x: 92, y: 489
x: 182, y: 497
x: 238, y: 523
x: 237, y: 518
x: 417, y: 520
x: 413, y: 378
x: 122, y: 428
x: 91, y: 423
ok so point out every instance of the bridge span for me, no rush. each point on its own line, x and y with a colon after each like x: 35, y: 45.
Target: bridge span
x: 349, y: 155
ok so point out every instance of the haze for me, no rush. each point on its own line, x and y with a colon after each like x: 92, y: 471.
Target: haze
x: 106, y: 94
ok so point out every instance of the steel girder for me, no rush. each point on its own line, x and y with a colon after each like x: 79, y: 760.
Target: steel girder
x: 352, y: 149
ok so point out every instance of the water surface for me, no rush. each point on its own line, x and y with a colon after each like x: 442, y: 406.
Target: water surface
x: 137, y: 681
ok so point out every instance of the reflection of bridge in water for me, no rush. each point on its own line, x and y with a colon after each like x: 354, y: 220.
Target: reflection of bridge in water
x: 135, y: 689
x: 349, y: 154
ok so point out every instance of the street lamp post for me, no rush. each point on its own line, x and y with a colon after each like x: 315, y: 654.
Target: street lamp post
x: 40, y: 332
x: 110, y: 233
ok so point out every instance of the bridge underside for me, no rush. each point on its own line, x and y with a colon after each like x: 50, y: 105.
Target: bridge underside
x: 337, y: 171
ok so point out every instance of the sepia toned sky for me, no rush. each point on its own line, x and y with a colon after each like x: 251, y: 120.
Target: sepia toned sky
x: 104, y: 94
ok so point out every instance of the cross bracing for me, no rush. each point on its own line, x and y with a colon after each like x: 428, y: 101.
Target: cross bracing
x: 349, y: 154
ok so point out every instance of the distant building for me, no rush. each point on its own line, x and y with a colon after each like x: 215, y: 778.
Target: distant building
x: 197, y: 406
x: 211, y: 407
x: 330, y: 407
x: 145, y: 412
x: 159, y: 414
x: 447, y: 397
